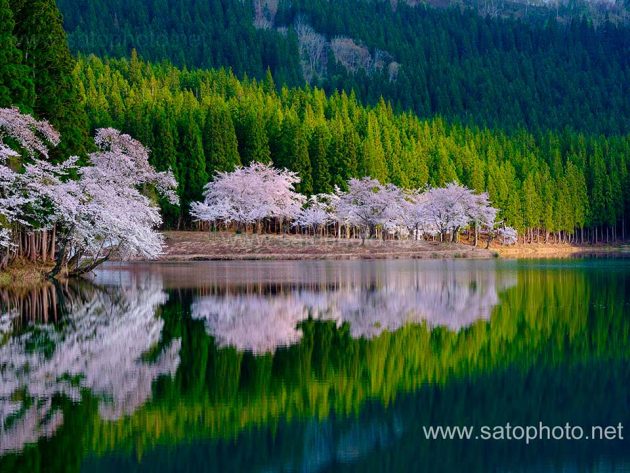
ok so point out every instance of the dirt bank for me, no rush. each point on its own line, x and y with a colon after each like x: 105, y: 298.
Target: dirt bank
x: 195, y: 246
x: 539, y: 250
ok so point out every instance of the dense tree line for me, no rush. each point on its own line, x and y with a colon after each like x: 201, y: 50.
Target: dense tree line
x: 550, y: 186
x: 209, y: 33
x: 261, y: 197
x: 456, y: 64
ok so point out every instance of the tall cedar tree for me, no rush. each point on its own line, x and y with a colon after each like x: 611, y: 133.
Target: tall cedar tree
x: 253, y: 144
x: 40, y: 34
x: 16, y: 87
x: 294, y: 153
x: 219, y: 140
x: 318, y: 152
x: 191, y: 163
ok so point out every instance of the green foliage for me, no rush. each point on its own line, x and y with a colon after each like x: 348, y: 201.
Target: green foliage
x: 555, y: 346
x: 253, y: 144
x: 42, y: 39
x: 16, y: 86
x: 318, y: 152
x: 452, y: 63
x: 191, y: 162
x: 293, y: 152
x: 553, y: 182
x: 220, y: 145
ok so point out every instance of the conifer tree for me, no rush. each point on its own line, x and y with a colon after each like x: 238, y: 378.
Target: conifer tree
x: 191, y: 163
x: 318, y: 153
x: 443, y: 170
x: 163, y: 157
x: 294, y: 155
x: 219, y: 140
x: 41, y: 37
x: 531, y: 203
x: 253, y: 144
x: 374, y: 156
x: 16, y: 87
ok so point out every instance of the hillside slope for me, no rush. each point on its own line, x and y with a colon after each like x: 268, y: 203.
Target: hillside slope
x: 489, y: 71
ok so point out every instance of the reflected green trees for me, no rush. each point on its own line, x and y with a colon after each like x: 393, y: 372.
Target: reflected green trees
x: 389, y: 438
x: 555, y: 349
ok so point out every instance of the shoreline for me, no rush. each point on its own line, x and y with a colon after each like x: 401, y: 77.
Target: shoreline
x: 24, y: 274
x: 190, y: 246
x: 561, y: 250
x: 183, y: 246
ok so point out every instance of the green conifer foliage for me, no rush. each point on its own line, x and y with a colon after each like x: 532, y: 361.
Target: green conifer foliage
x: 41, y: 37
x: 16, y: 86
x: 219, y: 140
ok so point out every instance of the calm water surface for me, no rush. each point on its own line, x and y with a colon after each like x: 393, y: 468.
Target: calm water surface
x: 316, y: 366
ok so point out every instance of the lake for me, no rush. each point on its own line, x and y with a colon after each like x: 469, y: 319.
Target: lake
x: 314, y: 366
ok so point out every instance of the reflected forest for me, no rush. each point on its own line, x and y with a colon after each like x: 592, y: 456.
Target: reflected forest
x: 346, y: 363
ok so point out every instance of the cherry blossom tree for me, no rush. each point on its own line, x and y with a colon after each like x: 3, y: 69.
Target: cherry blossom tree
x: 32, y: 138
x: 105, y: 212
x: 249, y: 195
x: 508, y: 235
x: 25, y: 175
x: 414, y: 214
x: 369, y: 204
x: 454, y: 207
x: 317, y: 214
x: 446, y: 207
x: 481, y: 214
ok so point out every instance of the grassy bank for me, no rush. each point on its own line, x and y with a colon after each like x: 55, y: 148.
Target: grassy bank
x: 23, y: 274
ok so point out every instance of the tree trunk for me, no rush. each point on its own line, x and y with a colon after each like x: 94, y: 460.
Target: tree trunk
x: 59, y: 261
x: 79, y: 271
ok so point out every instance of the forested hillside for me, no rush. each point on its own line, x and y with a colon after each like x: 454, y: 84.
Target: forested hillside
x: 197, y: 122
x: 500, y: 73
x: 200, y: 122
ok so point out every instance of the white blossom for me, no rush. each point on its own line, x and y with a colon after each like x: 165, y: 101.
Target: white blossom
x: 26, y: 179
x: 318, y: 212
x: 105, y: 212
x: 368, y: 203
x: 507, y: 235
x: 249, y: 195
x: 100, y: 347
x: 370, y: 298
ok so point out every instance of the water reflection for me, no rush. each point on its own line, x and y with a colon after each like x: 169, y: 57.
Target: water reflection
x: 313, y: 366
x: 389, y: 438
x: 99, y: 345
x: 264, y: 313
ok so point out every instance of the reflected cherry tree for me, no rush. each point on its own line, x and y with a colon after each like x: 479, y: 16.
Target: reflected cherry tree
x: 260, y: 318
x: 100, y: 344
